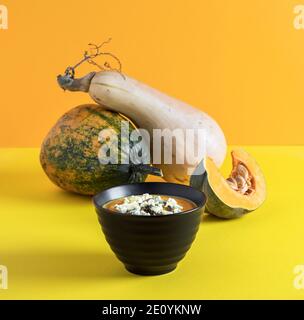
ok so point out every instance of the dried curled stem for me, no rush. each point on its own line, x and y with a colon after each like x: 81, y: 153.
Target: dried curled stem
x: 95, y: 51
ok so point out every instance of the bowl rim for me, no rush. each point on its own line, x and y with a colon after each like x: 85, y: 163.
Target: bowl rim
x: 107, y: 211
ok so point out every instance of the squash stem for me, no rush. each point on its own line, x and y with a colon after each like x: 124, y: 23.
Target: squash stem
x: 147, y: 169
x: 68, y: 82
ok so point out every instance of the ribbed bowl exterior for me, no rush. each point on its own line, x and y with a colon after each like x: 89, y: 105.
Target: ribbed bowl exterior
x: 150, y: 245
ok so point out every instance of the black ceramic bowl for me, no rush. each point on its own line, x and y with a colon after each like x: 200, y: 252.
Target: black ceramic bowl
x: 150, y: 245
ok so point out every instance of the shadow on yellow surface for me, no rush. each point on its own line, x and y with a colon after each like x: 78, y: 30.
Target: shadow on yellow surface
x: 208, y: 218
x: 33, y: 186
x: 80, y: 264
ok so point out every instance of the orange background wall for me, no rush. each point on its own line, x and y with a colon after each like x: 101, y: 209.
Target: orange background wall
x: 240, y: 61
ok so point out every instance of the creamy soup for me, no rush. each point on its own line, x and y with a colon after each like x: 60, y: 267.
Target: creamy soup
x: 150, y: 204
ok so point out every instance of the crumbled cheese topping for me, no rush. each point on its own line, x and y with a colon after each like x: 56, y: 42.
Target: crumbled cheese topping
x: 148, y: 205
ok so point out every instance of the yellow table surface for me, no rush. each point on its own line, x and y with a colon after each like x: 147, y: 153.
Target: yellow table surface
x: 53, y: 247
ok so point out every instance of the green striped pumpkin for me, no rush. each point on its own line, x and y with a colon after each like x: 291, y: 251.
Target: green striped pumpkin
x: 69, y: 153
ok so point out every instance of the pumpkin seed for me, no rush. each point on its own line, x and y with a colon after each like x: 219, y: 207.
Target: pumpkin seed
x: 240, y: 180
x: 242, y: 170
x: 243, y: 189
x: 232, y: 183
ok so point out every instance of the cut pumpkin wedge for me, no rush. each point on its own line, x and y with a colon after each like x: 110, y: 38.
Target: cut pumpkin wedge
x: 243, y: 191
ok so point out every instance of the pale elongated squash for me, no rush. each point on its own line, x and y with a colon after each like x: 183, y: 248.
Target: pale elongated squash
x: 151, y: 109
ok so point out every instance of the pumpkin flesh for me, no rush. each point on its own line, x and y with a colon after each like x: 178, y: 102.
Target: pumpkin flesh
x: 223, y: 200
